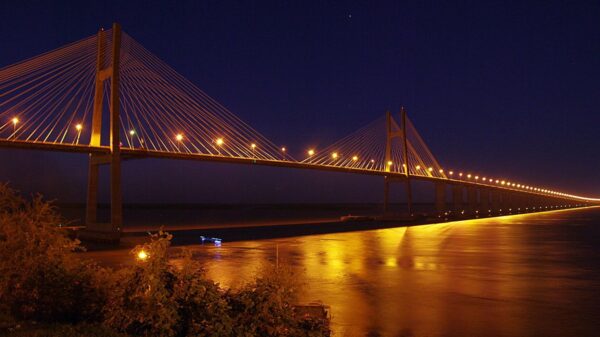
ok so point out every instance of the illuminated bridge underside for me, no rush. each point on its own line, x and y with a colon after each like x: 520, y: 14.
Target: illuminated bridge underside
x: 109, y: 97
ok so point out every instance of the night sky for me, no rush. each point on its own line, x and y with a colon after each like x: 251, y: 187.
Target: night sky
x: 503, y: 89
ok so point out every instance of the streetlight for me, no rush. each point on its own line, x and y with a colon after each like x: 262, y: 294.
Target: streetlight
x: 253, y: 146
x: 283, y: 149
x: 334, y: 155
x: 132, y: 134
x: 15, y: 121
x: 179, y: 138
x: 142, y: 255
x: 78, y: 127
x: 311, y: 152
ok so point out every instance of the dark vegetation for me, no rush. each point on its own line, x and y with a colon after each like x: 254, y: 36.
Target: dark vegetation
x: 47, y: 289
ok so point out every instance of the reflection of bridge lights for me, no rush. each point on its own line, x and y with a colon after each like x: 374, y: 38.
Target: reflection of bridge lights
x: 78, y: 127
x: 219, y: 141
x: 334, y: 155
x: 179, y: 137
x: 354, y: 158
x: 311, y: 152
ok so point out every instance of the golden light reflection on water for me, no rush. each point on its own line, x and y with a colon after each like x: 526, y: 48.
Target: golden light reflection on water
x: 504, y: 275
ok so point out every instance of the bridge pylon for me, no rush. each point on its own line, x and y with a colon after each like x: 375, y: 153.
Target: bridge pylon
x: 393, y: 130
x: 94, y: 229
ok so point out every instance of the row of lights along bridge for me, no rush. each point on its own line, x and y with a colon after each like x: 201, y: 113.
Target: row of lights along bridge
x: 335, y: 155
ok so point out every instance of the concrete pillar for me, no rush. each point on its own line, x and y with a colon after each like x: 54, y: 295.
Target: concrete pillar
x: 116, y: 202
x: 386, y: 194
x: 440, y: 198
x: 484, y: 200
x: 457, y: 198
x: 496, y: 206
x: 507, y: 202
x: 473, y: 204
x: 94, y: 229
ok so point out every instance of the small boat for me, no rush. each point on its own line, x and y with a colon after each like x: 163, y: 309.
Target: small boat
x: 216, y: 241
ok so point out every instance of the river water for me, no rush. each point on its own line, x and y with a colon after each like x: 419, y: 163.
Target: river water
x: 518, y: 275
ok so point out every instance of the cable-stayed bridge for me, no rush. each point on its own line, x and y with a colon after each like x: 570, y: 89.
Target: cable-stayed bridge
x: 109, y: 97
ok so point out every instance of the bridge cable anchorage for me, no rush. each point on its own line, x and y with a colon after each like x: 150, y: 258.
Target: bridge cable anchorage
x: 47, y: 101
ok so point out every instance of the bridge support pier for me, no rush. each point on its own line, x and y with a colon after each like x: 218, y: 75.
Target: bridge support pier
x: 507, y: 202
x: 496, y: 203
x: 472, y: 202
x: 394, y: 131
x: 440, y: 198
x: 484, y: 201
x: 457, y: 199
x: 96, y: 230
x: 386, y: 193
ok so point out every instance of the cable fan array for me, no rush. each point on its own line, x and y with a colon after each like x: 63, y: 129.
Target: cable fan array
x: 49, y: 98
x: 161, y: 110
x: 366, y: 148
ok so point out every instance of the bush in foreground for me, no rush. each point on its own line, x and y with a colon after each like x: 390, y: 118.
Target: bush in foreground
x: 43, y: 280
x: 40, y: 277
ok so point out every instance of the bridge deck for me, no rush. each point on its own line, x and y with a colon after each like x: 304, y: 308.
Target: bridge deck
x: 130, y: 153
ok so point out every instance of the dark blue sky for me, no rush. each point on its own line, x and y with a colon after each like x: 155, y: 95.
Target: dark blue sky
x: 499, y: 88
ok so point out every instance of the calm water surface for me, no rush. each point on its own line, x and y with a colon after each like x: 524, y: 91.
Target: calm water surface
x: 520, y: 275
